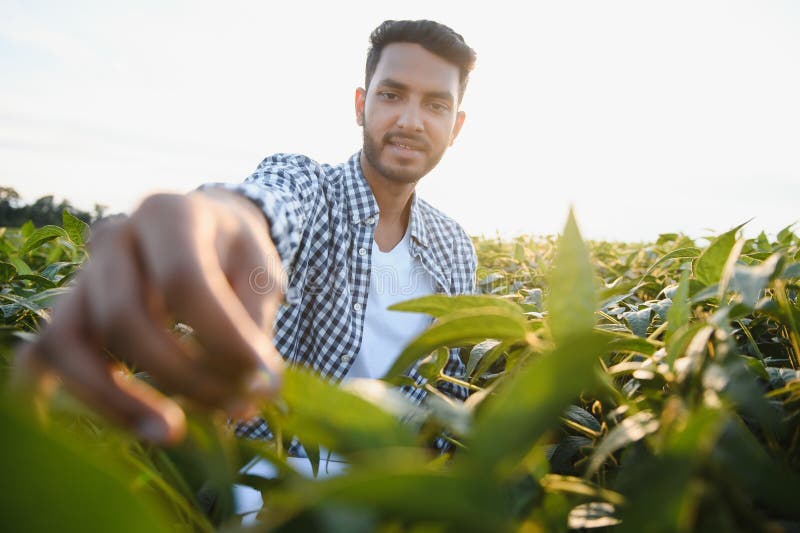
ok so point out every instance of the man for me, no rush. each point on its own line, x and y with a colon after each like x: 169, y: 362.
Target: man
x: 213, y: 259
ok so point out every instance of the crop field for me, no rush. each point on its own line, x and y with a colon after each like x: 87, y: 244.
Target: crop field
x: 614, y: 387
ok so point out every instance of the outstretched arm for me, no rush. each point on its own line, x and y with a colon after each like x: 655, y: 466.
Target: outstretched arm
x: 189, y: 258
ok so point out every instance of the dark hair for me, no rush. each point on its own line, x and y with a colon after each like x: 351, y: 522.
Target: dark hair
x: 434, y: 37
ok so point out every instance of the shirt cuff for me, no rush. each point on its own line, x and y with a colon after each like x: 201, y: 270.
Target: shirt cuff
x: 283, y: 228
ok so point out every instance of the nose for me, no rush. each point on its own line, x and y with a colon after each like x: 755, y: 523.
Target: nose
x: 410, y: 118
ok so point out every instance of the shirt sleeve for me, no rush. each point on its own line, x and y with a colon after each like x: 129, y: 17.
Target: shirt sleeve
x: 470, y: 264
x: 286, y: 188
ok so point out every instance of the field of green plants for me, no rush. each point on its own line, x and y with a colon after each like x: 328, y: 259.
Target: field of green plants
x: 624, y: 387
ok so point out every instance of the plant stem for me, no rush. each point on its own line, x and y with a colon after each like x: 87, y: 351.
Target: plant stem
x: 456, y: 381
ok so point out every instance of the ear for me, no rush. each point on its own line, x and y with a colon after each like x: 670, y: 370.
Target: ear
x: 460, y: 116
x: 361, y: 100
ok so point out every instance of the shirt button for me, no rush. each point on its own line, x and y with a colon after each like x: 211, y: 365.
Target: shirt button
x: 345, y: 358
x: 371, y: 220
x: 357, y: 306
x: 362, y: 251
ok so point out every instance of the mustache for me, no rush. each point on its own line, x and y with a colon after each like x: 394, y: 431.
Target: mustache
x: 412, y: 140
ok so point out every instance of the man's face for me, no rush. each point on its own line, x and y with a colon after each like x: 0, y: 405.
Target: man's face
x: 409, y: 112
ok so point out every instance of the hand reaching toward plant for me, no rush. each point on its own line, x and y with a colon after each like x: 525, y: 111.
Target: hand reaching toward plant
x: 189, y: 258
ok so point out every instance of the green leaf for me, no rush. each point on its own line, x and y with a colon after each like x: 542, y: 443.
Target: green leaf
x: 749, y: 281
x: 562, y: 454
x: 573, y: 301
x: 38, y: 281
x: 578, y: 486
x: 790, y: 315
x: 439, y: 305
x: 77, y: 229
x: 680, y: 253
x: 696, y: 354
x: 756, y: 366
x: 762, y: 241
x: 552, y: 514
x: 203, y: 459
x: 638, y: 321
x: 534, y: 298
x: 771, y: 483
x: 583, y: 418
x: 681, y: 339
x: 664, y: 238
x: 400, y: 486
x: 618, y: 341
x: 7, y: 272
x: 27, y: 229
x: 21, y: 266
x: 661, y: 308
x: 785, y: 236
x: 733, y: 379
x: 36, y: 302
x: 384, y: 396
x: 7, y: 247
x: 728, y: 269
x: 709, y: 265
x: 630, y: 430
x: 658, y: 489
x: 313, y: 453
x: 502, y: 349
x: 41, y: 236
x: 459, y: 329
x: 477, y: 353
x: 519, y: 252
x: 710, y: 292
x: 433, y: 365
x: 454, y: 417
x: 57, y: 483
x: 531, y: 402
x: 53, y: 269
x: 680, y: 309
x: 791, y: 271
x: 321, y: 412
x: 491, y: 278
x: 45, y: 298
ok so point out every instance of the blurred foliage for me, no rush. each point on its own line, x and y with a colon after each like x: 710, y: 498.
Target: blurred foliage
x: 633, y: 387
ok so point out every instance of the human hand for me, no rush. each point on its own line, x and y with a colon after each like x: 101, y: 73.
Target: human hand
x: 191, y: 258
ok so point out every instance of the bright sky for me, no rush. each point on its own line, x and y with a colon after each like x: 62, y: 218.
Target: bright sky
x: 647, y: 117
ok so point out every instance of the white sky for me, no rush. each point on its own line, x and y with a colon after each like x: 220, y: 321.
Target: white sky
x: 647, y: 117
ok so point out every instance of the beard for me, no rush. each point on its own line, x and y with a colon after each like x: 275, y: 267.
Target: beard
x: 373, y: 148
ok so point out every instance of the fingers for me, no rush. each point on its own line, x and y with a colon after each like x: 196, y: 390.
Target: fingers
x: 197, y: 290
x: 260, y: 284
x: 257, y: 287
x: 90, y: 376
x: 135, y: 332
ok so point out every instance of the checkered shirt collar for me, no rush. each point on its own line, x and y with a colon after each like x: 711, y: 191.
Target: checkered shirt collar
x: 361, y: 203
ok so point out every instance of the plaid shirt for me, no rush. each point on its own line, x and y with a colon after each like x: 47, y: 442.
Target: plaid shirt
x: 322, y: 219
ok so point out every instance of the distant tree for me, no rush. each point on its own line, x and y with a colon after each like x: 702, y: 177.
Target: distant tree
x: 42, y: 212
x: 99, y: 211
x: 9, y: 206
x: 9, y: 195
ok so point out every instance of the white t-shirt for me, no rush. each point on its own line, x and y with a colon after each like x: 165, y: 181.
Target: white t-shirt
x: 395, y: 277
